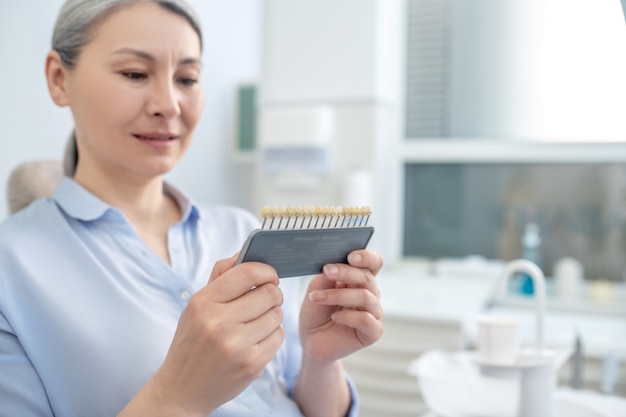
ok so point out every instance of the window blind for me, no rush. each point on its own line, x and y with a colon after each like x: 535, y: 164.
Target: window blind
x: 427, y: 69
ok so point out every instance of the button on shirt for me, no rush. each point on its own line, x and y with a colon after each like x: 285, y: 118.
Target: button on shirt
x: 88, y: 311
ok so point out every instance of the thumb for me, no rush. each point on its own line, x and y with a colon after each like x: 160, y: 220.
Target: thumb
x: 222, y: 266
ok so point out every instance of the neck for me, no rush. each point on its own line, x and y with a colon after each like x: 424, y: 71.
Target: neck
x: 142, y: 202
x: 148, y: 209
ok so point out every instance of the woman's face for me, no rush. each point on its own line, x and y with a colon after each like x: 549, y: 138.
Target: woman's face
x: 135, y: 94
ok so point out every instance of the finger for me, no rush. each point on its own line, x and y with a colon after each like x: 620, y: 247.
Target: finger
x: 261, y: 352
x: 222, y: 266
x: 258, y: 301
x: 351, y: 276
x: 350, y: 298
x: 267, y: 348
x: 367, y: 259
x: 260, y: 328
x: 369, y: 328
x: 240, y: 279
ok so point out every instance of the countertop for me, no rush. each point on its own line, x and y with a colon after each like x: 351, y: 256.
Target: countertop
x: 458, y: 292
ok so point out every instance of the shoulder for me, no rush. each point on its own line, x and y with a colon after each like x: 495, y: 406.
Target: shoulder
x: 37, y: 232
x: 218, y: 216
x: 28, y: 223
x: 224, y: 227
x: 30, y: 240
x: 228, y: 217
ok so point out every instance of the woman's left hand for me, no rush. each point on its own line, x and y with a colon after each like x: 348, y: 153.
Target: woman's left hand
x: 341, y: 312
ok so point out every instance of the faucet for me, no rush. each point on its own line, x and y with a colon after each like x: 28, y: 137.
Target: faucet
x: 535, y: 368
x: 539, y: 284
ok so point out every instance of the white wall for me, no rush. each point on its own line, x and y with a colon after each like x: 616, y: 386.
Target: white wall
x: 344, y: 54
x: 325, y: 50
x: 33, y: 127
x: 542, y: 70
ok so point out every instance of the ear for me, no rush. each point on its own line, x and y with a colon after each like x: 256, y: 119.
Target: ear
x: 57, y: 76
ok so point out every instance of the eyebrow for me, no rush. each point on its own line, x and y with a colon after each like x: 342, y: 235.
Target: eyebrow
x: 149, y: 57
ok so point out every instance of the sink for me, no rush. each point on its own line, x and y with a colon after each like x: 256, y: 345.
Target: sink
x: 451, y: 386
x: 566, y: 404
x: 459, y: 384
x: 563, y: 407
x: 582, y: 403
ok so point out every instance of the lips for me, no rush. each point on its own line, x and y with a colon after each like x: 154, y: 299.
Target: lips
x: 156, y: 136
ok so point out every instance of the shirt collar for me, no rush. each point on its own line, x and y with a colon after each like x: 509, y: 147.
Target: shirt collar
x: 80, y: 204
x: 187, y: 207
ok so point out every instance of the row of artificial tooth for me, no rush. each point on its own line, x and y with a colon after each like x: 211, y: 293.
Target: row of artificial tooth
x: 314, y: 217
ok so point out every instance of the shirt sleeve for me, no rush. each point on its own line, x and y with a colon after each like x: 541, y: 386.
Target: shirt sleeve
x: 293, y: 292
x: 354, y: 399
x: 21, y: 391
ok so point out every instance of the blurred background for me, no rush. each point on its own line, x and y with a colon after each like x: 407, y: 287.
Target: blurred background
x: 479, y: 131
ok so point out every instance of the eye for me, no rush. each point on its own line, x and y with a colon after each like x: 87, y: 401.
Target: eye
x: 133, y: 75
x: 188, y: 82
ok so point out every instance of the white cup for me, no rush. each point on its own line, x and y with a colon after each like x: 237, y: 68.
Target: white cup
x: 498, y: 339
x: 569, y: 278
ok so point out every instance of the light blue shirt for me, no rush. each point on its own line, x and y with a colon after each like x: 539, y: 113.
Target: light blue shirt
x: 88, y: 311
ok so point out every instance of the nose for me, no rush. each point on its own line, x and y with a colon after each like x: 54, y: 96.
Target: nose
x: 163, y: 101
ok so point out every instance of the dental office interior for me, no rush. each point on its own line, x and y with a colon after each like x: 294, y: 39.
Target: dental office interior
x: 488, y: 138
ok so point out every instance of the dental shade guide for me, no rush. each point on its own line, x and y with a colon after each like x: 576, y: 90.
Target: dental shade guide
x: 299, y: 241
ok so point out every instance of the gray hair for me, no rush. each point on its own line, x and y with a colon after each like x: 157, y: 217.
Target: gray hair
x: 70, y: 156
x: 32, y: 180
x: 78, y: 19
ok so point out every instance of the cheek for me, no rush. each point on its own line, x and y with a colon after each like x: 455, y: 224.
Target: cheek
x: 99, y: 104
x: 193, y: 110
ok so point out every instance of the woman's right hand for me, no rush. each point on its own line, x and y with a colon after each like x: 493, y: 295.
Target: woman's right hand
x: 227, y: 334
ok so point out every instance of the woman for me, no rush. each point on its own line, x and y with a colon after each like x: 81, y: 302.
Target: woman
x: 120, y: 296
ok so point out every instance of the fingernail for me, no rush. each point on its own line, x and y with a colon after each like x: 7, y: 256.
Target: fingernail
x: 331, y: 270
x: 317, y: 295
x: 355, y: 258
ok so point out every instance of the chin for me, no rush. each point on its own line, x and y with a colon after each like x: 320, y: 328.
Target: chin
x: 155, y: 170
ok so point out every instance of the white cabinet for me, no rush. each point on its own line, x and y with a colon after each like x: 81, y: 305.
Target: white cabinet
x: 380, y: 371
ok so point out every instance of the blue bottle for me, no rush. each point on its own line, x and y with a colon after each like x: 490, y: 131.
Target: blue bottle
x: 531, y: 242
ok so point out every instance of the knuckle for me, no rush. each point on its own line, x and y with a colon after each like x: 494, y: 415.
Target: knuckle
x: 234, y: 352
x: 278, y: 315
x: 380, y: 262
x: 256, y: 273
x: 279, y: 337
x: 277, y: 295
x: 276, y: 338
x: 228, y: 349
x: 370, y: 278
x: 214, y: 329
x: 368, y: 297
x: 248, y: 271
x: 251, y: 365
x: 194, y: 306
x: 273, y: 293
x: 373, y: 329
